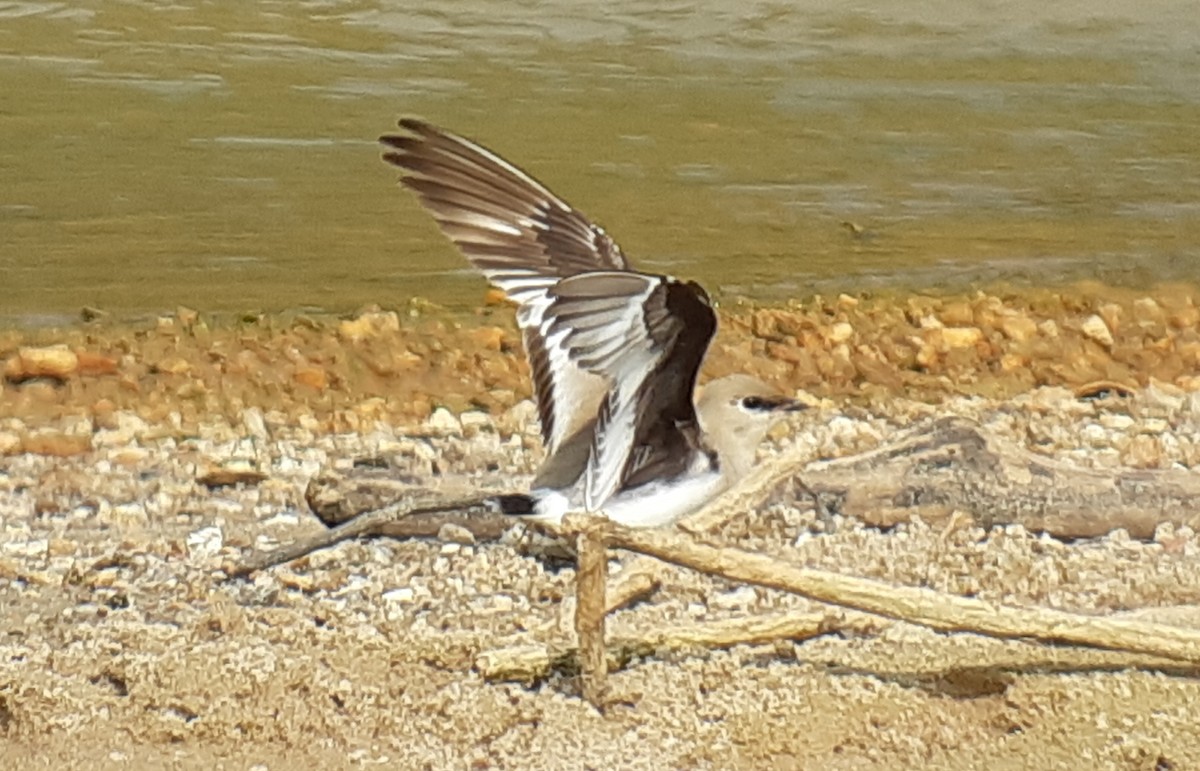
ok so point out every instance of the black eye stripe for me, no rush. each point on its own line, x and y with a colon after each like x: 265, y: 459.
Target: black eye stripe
x: 756, y: 403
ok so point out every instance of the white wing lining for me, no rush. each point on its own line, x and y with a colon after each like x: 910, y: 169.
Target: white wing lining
x: 598, y: 321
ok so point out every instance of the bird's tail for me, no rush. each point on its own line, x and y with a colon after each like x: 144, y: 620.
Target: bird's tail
x: 512, y: 504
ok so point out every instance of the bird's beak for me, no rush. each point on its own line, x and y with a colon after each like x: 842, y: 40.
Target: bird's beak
x: 784, y: 404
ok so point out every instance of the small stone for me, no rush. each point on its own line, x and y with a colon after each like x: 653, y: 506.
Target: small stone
x: 187, y: 317
x: 369, y: 325
x: 488, y: 338
x: 173, y: 365
x: 130, y: 423
x: 1117, y: 421
x: 1147, y: 312
x: 1112, y: 313
x: 841, y: 332
x: 94, y: 364
x: 313, y: 377
x: 734, y: 600
x: 1094, y: 328
x: 456, y: 534
x: 1154, y: 426
x: 403, y: 594
x: 56, y: 362
x: 958, y: 314
x: 785, y: 352
x: 231, y: 473
x: 37, y: 547
x: 1187, y: 317
x: 522, y: 415
x: 256, y: 426
x: 205, y: 542
x: 961, y: 337
x: 1144, y: 451
x: 475, y: 421
x: 58, y: 547
x: 1161, y: 396
x: 130, y: 457
x: 494, y: 296
x: 1014, y: 362
x: 1018, y: 328
x: 443, y: 421
x: 282, y: 519
x: 56, y: 445
x: 10, y: 443
x: 302, y: 582
x: 123, y: 515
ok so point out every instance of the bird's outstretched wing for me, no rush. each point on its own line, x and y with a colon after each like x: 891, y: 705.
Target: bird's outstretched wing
x: 524, y: 239
x: 614, y: 353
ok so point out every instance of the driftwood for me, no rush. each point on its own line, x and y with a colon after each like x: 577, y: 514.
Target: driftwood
x: 956, y: 466
x: 591, y: 606
x: 932, y: 471
x: 532, y: 661
x: 950, y: 466
x: 925, y: 607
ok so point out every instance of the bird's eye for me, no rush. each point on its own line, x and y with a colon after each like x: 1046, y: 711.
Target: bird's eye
x: 756, y: 403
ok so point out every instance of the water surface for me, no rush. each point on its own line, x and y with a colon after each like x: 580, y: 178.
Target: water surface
x: 222, y: 154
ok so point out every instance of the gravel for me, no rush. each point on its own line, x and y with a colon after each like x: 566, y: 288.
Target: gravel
x: 123, y: 647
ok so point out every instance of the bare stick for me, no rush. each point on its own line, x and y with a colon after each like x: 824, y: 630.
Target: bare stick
x: 636, y: 582
x: 530, y: 662
x: 748, y: 494
x: 947, y: 613
x: 397, y: 520
x: 591, y: 578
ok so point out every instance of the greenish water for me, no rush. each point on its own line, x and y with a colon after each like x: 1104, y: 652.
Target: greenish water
x: 222, y: 154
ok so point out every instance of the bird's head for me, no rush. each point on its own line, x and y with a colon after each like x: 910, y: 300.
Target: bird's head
x: 737, y: 411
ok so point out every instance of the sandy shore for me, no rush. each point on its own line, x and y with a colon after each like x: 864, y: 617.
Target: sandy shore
x: 122, y: 646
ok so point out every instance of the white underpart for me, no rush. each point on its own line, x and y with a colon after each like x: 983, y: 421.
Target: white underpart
x: 650, y: 505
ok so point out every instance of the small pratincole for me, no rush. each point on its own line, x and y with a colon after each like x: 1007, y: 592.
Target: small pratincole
x: 614, y: 352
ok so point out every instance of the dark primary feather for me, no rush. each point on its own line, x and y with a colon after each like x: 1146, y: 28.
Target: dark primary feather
x: 678, y: 322
x: 454, y: 176
x: 669, y: 431
x: 537, y: 248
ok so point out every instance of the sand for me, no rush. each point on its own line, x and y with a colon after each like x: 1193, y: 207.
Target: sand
x: 123, y: 646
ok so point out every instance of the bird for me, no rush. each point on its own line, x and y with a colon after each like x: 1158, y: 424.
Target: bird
x: 614, y: 353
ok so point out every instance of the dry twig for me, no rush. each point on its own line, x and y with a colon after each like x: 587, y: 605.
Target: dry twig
x: 591, y: 577
x: 397, y: 520
x: 943, y: 612
x: 530, y: 662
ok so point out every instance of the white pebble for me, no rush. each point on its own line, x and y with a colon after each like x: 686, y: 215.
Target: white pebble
x: 403, y: 594
x: 443, y: 421
x: 205, y: 542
